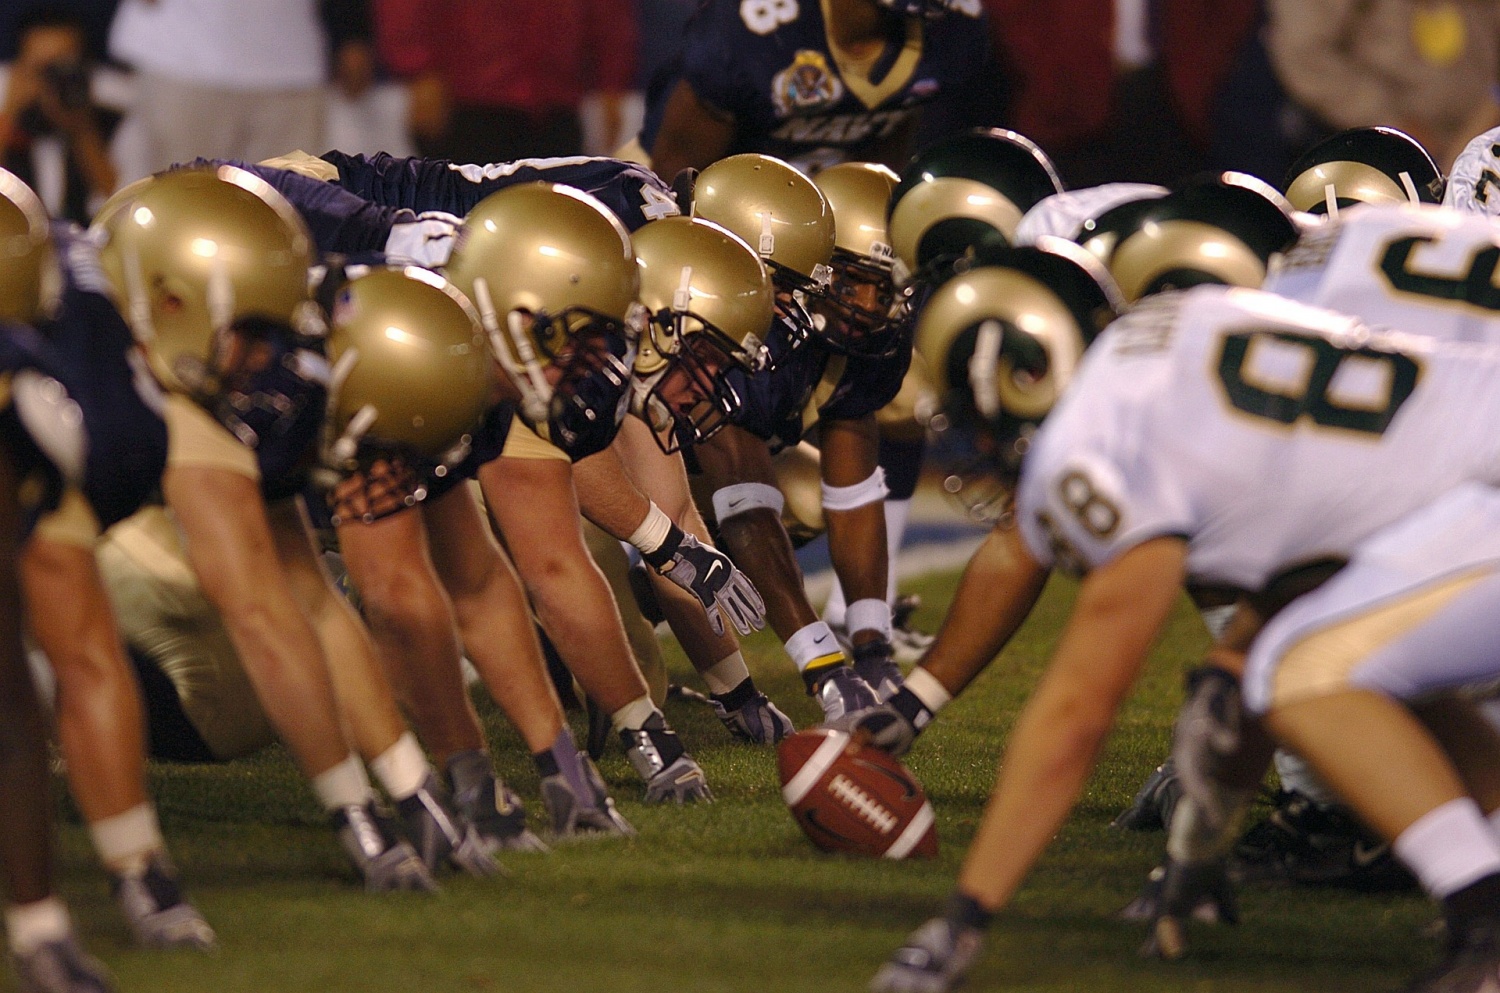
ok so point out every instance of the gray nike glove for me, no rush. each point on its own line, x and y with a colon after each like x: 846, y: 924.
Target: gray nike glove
x: 713, y: 578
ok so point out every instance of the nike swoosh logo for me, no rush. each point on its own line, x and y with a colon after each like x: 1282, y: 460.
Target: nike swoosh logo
x: 713, y: 570
x: 735, y: 503
x: 820, y: 639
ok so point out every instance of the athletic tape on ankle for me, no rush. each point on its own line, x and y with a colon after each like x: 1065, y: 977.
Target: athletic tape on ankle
x: 402, y: 768
x: 128, y: 836
x: 868, y: 491
x: 727, y: 673
x: 814, y: 647
x: 869, y: 614
x: 740, y: 498
x: 634, y: 714
x: 653, y: 531
x: 342, y: 785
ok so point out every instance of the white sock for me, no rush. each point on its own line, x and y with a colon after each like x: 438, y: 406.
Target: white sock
x: 869, y: 615
x: 814, y: 647
x: 727, y: 673
x: 125, y: 841
x: 896, y: 514
x: 29, y: 925
x: 342, y: 785
x: 1449, y: 847
x: 634, y: 714
x: 835, y: 608
x: 402, y: 768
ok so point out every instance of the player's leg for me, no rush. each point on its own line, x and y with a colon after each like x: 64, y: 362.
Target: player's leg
x: 747, y: 505
x: 100, y: 729
x: 39, y: 932
x: 1410, y: 616
x: 368, y: 708
x: 747, y: 712
x: 533, y: 501
x: 854, y: 494
x: 211, y: 483
x: 494, y: 621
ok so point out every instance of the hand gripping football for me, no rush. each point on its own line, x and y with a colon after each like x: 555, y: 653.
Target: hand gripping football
x: 849, y: 797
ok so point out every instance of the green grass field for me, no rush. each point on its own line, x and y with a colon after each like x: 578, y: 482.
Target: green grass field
x: 729, y: 896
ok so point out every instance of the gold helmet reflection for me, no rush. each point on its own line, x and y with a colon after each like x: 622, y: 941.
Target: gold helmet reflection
x: 699, y: 278
x: 192, y: 252
x: 411, y: 367
x: 780, y: 214
x: 541, y: 262
x: 868, y: 313
x: 28, y: 273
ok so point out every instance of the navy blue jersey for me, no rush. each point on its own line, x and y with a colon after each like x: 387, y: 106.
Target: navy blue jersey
x: 42, y: 443
x: 97, y: 360
x: 487, y: 444
x: 633, y: 193
x: 773, y: 403
x: 768, y: 64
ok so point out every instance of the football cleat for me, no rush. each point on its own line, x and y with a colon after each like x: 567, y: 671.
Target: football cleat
x: 590, y: 814
x: 1472, y: 965
x: 875, y: 663
x: 154, y: 907
x: 383, y: 860
x: 60, y: 966
x: 659, y: 758
x: 1305, y: 842
x: 934, y: 959
x: 840, y: 691
x: 907, y: 643
x: 757, y: 721
x: 494, y: 814
x: 440, y: 835
x: 1151, y: 810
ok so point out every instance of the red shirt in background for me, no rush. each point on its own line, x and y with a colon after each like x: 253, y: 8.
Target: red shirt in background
x: 531, y: 55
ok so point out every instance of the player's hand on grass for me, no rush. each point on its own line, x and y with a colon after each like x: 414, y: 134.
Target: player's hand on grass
x: 1176, y: 893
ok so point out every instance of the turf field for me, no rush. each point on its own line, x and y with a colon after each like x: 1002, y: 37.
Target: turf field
x: 728, y: 897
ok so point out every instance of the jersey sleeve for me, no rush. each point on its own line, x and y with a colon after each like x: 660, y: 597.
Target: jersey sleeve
x: 712, y: 51
x: 340, y: 221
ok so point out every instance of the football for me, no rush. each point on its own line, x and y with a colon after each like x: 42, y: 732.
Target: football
x: 849, y: 797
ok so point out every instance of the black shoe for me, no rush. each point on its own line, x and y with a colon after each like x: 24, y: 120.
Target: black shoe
x: 488, y: 808
x: 1307, y: 843
x: 1151, y: 810
x: 875, y: 662
x: 384, y: 861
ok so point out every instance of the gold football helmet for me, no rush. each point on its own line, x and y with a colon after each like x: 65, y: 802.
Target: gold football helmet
x: 554, y: 278
x: 1224, y: 229
x: 29, y: 280
x: 710, y: 303
x: 194, y: 252
x: 782, y: 215
x: 865, y: 313
x: 1363, y: 165
x: 412, y: 369
x: 1003, y: 338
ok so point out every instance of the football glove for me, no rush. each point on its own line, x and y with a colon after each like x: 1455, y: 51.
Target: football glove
x: 1208, y: 734
x: 1177, y: 892
x: 713, y: 578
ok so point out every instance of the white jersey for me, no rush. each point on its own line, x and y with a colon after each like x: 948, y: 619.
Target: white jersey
x: 1474, y: 184
x: 1266, y: 433
x: 1062, y: 215
x: 1415, y: 267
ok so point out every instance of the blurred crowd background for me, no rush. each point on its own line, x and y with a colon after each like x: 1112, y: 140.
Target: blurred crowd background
x: 97, y: 93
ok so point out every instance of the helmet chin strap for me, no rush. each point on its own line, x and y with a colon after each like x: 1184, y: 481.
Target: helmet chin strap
x: 536, y: 394
x: 347, y: 446
x: 984, y: 365
x: 1331, y: 201
x: 1410, y: 187
x: 220, y: 295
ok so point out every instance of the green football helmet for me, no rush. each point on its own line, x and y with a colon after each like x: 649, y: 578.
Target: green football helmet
x: 1363, y: 165
x: 1224, y: 229
x: 967, y: 191
x: 1003, y: 337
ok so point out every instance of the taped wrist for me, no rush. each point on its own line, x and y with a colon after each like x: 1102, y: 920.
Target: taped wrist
x: 654, y: 535
x: 871, y: 490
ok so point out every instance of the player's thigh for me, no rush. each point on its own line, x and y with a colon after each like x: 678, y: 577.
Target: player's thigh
x: 1413, y: 613
x: 534, y: 503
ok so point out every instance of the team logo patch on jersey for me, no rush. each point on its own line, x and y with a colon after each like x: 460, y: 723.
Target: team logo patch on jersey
x: 807, y: 84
